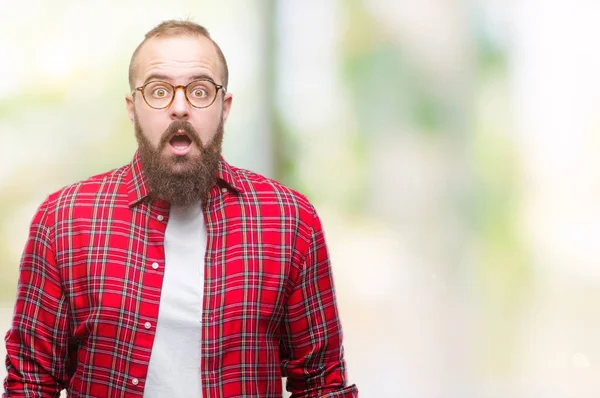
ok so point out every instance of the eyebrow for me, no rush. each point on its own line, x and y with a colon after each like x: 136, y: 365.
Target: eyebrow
x: 158, y: 76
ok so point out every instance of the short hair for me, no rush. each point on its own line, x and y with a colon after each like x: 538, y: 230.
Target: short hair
x: 172, y: 28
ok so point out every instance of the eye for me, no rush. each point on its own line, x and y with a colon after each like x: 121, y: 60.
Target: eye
x: 199, y: 92
x: 159, y: 92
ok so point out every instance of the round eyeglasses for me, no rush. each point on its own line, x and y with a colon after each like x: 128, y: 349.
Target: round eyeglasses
x: 199, y: 93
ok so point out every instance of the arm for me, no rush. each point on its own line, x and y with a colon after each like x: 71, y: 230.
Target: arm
x: 311, y: 345
x: 36, y: 343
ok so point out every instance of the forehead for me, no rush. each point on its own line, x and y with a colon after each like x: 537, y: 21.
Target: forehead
x: 178, y: 58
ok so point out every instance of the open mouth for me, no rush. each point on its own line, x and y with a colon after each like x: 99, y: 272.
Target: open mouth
x: 180, y: 143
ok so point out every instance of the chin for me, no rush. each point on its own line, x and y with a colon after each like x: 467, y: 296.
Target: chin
x: 180, y: 164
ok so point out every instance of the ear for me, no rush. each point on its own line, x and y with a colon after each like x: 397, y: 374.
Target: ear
x: 130, y: 102
x: 227, y: 99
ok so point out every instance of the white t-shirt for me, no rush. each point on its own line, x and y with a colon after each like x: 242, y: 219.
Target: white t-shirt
x: 174, y: 369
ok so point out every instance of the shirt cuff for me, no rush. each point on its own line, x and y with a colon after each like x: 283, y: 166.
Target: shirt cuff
x: 347, y: 392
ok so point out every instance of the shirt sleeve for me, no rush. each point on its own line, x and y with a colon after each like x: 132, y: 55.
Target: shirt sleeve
x: 36, y: 343
x: 311, y: 351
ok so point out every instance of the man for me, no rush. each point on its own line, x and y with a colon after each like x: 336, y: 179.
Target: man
x: 177, y: 275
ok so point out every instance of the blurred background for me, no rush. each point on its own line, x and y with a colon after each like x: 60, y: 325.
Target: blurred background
x: 449, y: 146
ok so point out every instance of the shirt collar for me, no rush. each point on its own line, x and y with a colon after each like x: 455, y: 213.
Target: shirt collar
x: 227, y: 175
x: 137, y: 187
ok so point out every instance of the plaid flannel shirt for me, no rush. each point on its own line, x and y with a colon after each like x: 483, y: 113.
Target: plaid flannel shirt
x: 90, y: 283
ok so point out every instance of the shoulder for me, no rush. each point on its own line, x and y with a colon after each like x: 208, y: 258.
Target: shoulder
x: 76, y: 200
x: 265, y: 191
x: 106, y: 184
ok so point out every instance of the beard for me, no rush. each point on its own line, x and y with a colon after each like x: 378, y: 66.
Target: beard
x: 179, y: 180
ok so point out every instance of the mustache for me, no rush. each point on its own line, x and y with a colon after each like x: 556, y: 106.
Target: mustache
x: 180, y: 125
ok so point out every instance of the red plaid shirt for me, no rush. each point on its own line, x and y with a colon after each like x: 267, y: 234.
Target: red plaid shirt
x: 90, y: 283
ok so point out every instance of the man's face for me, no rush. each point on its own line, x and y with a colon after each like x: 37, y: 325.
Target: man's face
x: 176, y: 142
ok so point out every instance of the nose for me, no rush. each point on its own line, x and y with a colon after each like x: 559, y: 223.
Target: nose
x: 180, y: 108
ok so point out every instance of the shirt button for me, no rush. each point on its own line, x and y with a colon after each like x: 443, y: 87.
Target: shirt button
x: 155, y: 265
x: 224, y: 190
x: 160, y: 217
x: 135, y: 381
x: 147, y: 325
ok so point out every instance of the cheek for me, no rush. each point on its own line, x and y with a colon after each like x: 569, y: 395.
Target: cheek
x: 152, y: 127
x: 206, y: 125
